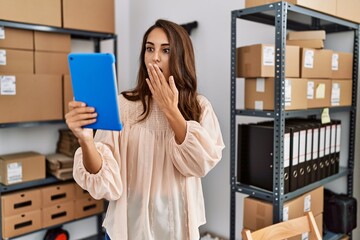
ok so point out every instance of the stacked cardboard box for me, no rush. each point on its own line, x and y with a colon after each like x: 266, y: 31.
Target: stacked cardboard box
x: 307, y: 39
x: 259, y: 213
x: 60, y: 165
x: 85, y: 205
x: 346, y: 9
x: 21, y: 167
x: 67, y: 143
x: 21, y: 212
x: 31, y: 68
x: 314, y: 78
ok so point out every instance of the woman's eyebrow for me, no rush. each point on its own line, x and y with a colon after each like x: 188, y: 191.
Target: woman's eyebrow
x: 163, y: 44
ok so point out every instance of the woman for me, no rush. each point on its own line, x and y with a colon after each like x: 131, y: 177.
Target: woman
x: 150, y: 171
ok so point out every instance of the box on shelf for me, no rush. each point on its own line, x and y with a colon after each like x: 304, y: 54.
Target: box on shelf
x: 317, y: 43
x: 57, y: 214
x: 348, y: 9
x: 88, y: 206
x: 16, y: 61
x: 307, y: 35
x: 20, y: 202
x: 52, y: 42
x: 317, y: 5
x: 341, y: 92
x: 259, y: 213
x: 342, y: 65
x: 57, y: 194
x: 259, y: 93
x: 21, y: 167
x: 14, y: 38
x: 318, y: 93
x: 259, y: 61
x: 30, y: 97
x: 89, y: 15
x: 21, y: 224
x: 316, y: 63
x: 67, y: 92
x: 44, y: 12
x: 51, y: 63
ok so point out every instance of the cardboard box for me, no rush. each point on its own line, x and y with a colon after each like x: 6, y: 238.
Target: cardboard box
x: 88, y: 206
x: 316, y: 63
x: 57, y: 194
x: 13, y: 38
x: 319, y: 224
x: 16, y: 61
x: 20, y: 202
x: 68, y: 92
x: 259, y: 93
x: 307, y: 35
x: 259, y: 213
x: 317, y: 5
x: 342, y: 65
x: 44, y: 12
x: 89, y: 15
x: 21, y: 167
x: 52, y: 42
x: 318, y: 93
x: 80, y: 193
x: 57, y: 214
x: 348, y: 9
x: 341, y: 92
x: 259, y: 61
x: 21, y: 224
x: 317, y: 44
x: 51, y: 63
x: 31, y: 98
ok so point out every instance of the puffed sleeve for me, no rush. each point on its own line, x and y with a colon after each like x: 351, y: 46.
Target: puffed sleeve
x: 107, y: 182
x: 202, y: 148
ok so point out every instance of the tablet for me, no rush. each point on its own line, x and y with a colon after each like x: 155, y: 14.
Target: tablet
x: 93, y: 79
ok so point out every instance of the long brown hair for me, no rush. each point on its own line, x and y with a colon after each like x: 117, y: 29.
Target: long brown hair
x: 182, y: 67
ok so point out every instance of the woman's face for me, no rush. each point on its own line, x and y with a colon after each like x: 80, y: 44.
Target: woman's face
x: 157, y: 51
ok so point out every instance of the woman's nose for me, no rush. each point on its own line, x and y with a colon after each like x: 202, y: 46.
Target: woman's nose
x: 156, y: 57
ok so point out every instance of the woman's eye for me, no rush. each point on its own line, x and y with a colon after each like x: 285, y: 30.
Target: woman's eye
x: 149, y: 49
x: 166, y: 50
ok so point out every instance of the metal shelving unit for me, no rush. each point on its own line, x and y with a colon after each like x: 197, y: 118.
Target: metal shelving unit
x: 96, y: 38
x: 284, y: 16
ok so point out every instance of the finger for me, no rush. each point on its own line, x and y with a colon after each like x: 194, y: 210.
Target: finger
x: 155, y: 78
x: 159, y: 74
x: 149, y: 71
x: 173, y: 85
x: 74, y: 104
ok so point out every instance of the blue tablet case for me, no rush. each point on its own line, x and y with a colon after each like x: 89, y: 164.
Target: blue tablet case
x: 93, y: 80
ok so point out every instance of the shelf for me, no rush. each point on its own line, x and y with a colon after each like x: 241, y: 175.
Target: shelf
x: 298, y: 18
x: 289, y: 114
x: 268, y: 195
x: 30, y: 124
x: 74, y: 33
x: 36, y: 183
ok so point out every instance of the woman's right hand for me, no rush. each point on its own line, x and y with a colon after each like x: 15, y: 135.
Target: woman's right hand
x: 78, y: 116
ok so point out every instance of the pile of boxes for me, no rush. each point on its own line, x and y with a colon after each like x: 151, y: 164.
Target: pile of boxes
x: 34, y: 63
x: 259, y: 213
x: 346, y: 9
x: 89, y: 15
x: 30, y: 210
x: 314, y: 77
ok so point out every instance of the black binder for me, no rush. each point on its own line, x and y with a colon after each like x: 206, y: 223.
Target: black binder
x: 255, y: 156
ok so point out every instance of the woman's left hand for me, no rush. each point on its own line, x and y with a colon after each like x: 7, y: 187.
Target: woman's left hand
x: 163, y: 92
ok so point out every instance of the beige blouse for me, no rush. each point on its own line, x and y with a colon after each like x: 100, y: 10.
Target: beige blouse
x: 152, y: 183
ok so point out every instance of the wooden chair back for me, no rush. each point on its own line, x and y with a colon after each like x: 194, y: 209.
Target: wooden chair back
x: 287, y: 229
